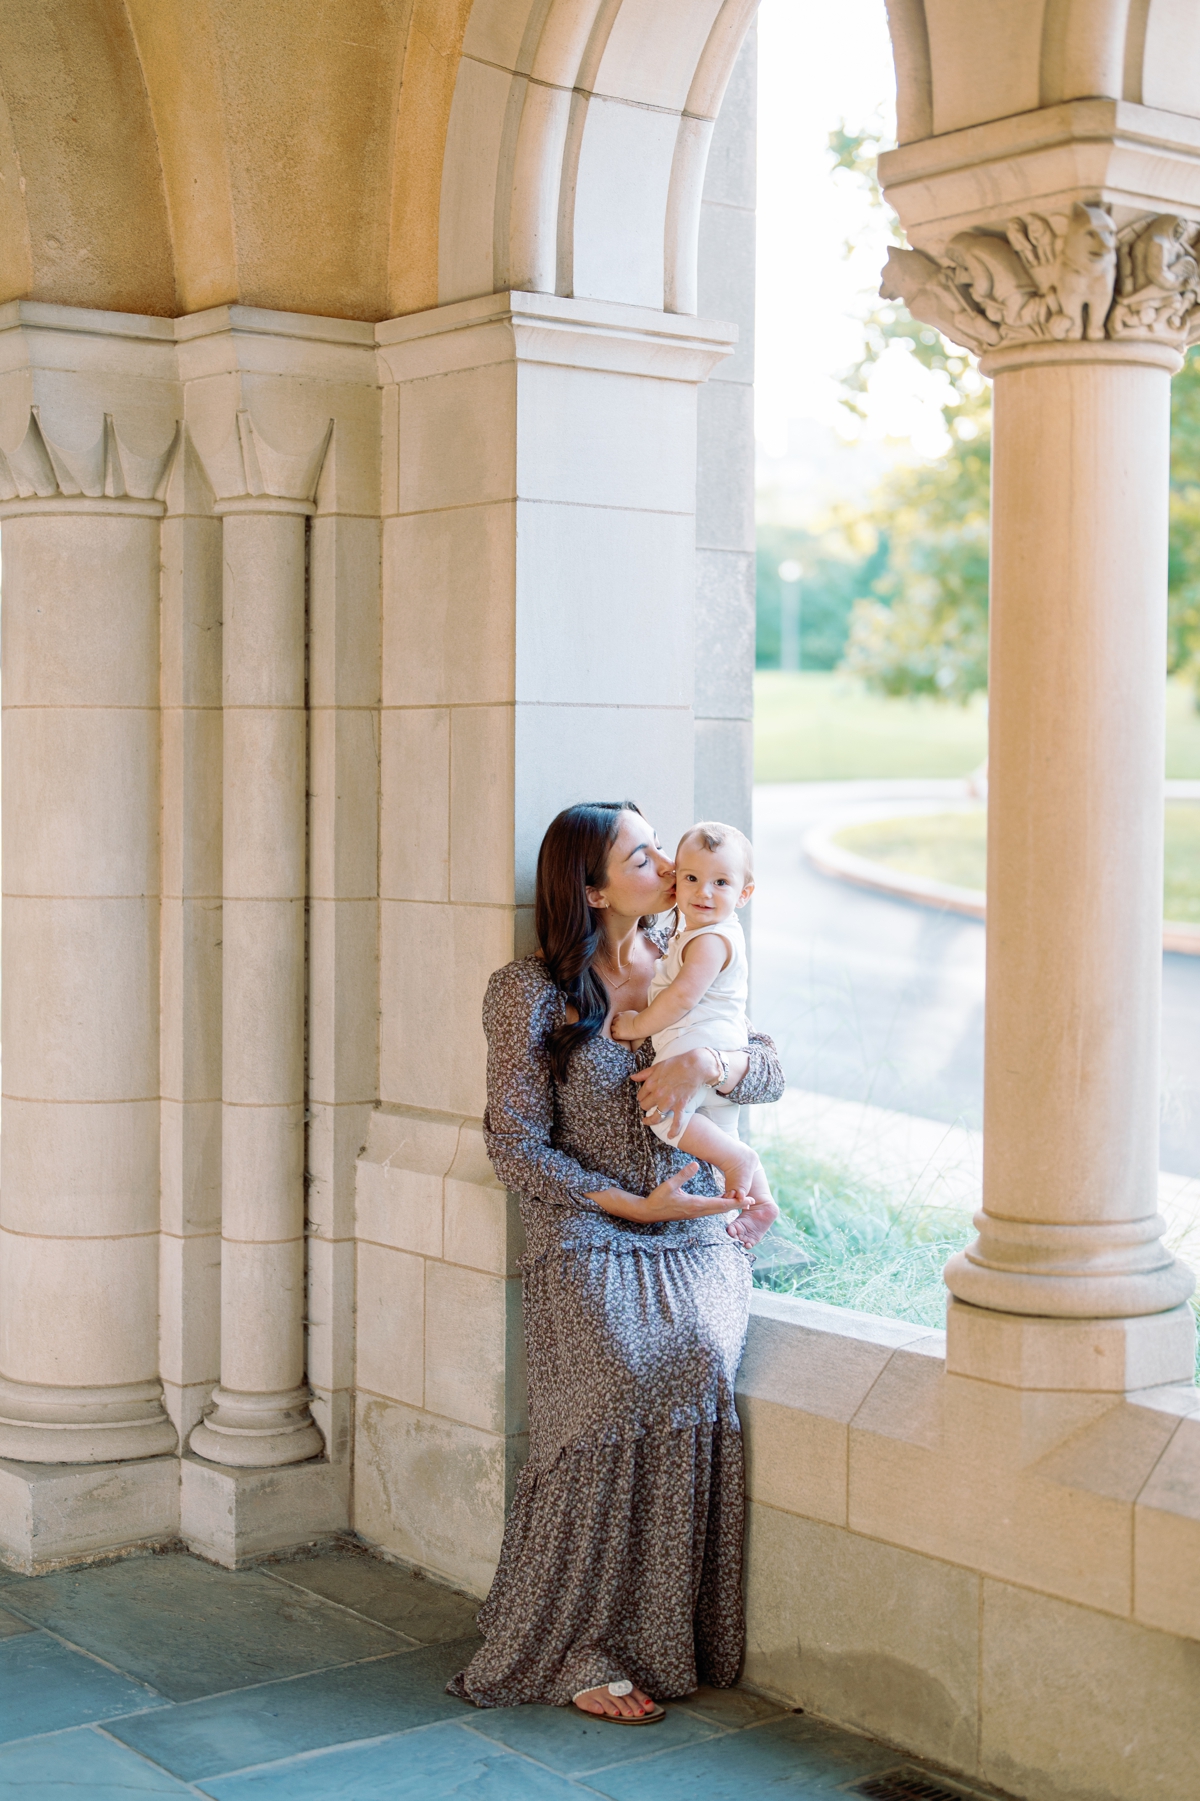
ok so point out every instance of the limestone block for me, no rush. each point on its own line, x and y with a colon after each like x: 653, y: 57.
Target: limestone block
x: 1106, y: 1355
x: 191, y: 603
x: 473, y: 152
x: 53, y: 1513
x: 651, y: 52
x: 343, y: 783
x: 84, y: 644
x: 449, y: 599
x: 987, y: 72
x: 724, y: 636
x: 263, y: 1162
x: 805, y: 1372
x: 645, y: 754
x: 263, y: 940
x: 343, y: 622
x: 414, y: 835
x: 434, y: 966
x: 333, y: 1411
x: 262, y: 1289
x: 588, y: 579
x: 107, y: 1288
x: 600, y: 438
x: 724, y: 493
x: 1034, y: 1488
x: 262, y: 611
x: 189, y: 1309
x: 872, y: 1636
x: 483, y: 1227
x: 190, y: 1043
x: 724, y: 778
x: 474, y: 1348
x: 390, y: 1323
x: 191, y: 811
x: 481, y: 805
x: 80, y: 800
x: 618, y: 249
x: 431, y: 1491
x: 331, y: 1313
x: 729, y: 178
x: 726, y: 271
x: 343, y: 999
x: 1166, y: 1552
x: 399, y: 1207
x: 336, y: 1138
x: 1075, y: 1704
x: 233, y: 1516
x: 190, y: 1165
x: 458, y: 439
x: 265, y: 761
x: 81, y: 1000
x: 80, y: 1171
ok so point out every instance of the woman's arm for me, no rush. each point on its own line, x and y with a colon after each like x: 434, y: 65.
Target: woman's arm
x: 667, y: 1201
x: 754, y: 1075
x: 763, y: 1079
x: 518, y: 1011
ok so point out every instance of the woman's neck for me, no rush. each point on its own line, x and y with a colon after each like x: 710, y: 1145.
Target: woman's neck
x: 620, y: 941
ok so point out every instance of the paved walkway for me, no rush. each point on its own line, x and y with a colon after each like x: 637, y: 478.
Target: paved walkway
x: 322, y: 1677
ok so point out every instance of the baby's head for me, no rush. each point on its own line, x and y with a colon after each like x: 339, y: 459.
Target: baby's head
x: 714, y: 872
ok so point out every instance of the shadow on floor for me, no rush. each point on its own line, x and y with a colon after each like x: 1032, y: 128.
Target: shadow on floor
x: 321, y: 1677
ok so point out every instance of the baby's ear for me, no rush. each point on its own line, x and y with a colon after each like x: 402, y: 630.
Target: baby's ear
x: 744, y: 896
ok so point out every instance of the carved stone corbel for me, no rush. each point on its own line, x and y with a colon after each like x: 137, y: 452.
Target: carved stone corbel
x: 1059, y: 279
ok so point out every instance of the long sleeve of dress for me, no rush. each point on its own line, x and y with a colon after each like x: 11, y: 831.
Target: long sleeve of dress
x: 764, y: 1080
x: 520, y: 1007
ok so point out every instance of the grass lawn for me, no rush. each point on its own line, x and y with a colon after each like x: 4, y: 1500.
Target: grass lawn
x: 952, y: 847
x: 825, y: 727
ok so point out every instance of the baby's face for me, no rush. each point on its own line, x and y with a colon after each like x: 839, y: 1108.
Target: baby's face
x: 710, y: 884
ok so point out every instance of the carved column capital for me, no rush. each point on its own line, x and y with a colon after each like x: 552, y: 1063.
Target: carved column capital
x: 1066, y: 278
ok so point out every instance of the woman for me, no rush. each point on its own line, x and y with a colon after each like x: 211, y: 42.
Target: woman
x: 621, y: 1562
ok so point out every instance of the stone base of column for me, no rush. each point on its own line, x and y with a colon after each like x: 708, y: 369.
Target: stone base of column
x: 115, y: 1424
x: 258, y: 1432
x: 53, y: 1514
x: 1108, y: 1356
x: 233, y: 1516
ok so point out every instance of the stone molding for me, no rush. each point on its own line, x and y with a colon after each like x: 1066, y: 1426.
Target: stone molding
x: 1061, y: 279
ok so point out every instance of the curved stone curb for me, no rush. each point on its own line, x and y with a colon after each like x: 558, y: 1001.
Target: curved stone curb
x: 833, y: 859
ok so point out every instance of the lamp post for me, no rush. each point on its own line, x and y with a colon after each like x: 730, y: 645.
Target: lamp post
x: 790, y: 654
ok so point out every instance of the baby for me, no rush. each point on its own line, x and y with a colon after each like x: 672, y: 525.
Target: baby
x: 698, y: 997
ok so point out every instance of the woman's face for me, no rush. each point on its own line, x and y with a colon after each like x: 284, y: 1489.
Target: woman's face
x: 640, y: 877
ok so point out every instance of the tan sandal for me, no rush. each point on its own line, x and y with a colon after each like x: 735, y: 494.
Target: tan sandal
x: 619, y: 1719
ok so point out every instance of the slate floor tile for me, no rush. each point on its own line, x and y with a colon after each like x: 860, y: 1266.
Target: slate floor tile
x: 564, y: 1739
x: 283, y: 1719
x: 438, y: 1763
x: 189, y: 1629
x: 45, y: 1687
x: 399, y: 1598
x: 732, y: 1708
x: 11, y: 1626
x: 790, y: 1759
x: 72, y: 1765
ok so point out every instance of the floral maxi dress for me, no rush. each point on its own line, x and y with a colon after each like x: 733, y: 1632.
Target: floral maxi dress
x: 622, y: 1556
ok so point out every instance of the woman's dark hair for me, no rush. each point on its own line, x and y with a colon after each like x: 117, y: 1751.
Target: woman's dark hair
x: 573, y: 858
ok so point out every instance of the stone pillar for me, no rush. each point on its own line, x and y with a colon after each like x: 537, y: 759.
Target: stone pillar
x: 271, y: 399
x: 1069, y: 1285
x: 1070, y: 1228
x: 88, y: 427
x: 538, y: 515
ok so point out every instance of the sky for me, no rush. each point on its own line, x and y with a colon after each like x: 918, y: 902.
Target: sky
x: 822, y: 61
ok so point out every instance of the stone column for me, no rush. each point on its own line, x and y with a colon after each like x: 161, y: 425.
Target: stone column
x: 87, y: 424
x: 1069, y: 1285
x: 260, y: 1415
x: 283, y: 413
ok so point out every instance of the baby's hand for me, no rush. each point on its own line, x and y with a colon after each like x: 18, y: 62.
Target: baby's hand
x: 624, y: 1027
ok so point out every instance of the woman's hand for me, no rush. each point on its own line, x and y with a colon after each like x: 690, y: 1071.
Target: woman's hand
x: 670, y: 1083
x: 667, y: 1201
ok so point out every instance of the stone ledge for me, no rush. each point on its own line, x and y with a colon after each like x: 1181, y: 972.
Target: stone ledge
x: 53, y: 1514
x: 854, y: 1421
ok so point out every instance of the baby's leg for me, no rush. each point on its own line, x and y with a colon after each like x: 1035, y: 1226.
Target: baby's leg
x: 737, y: 1162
